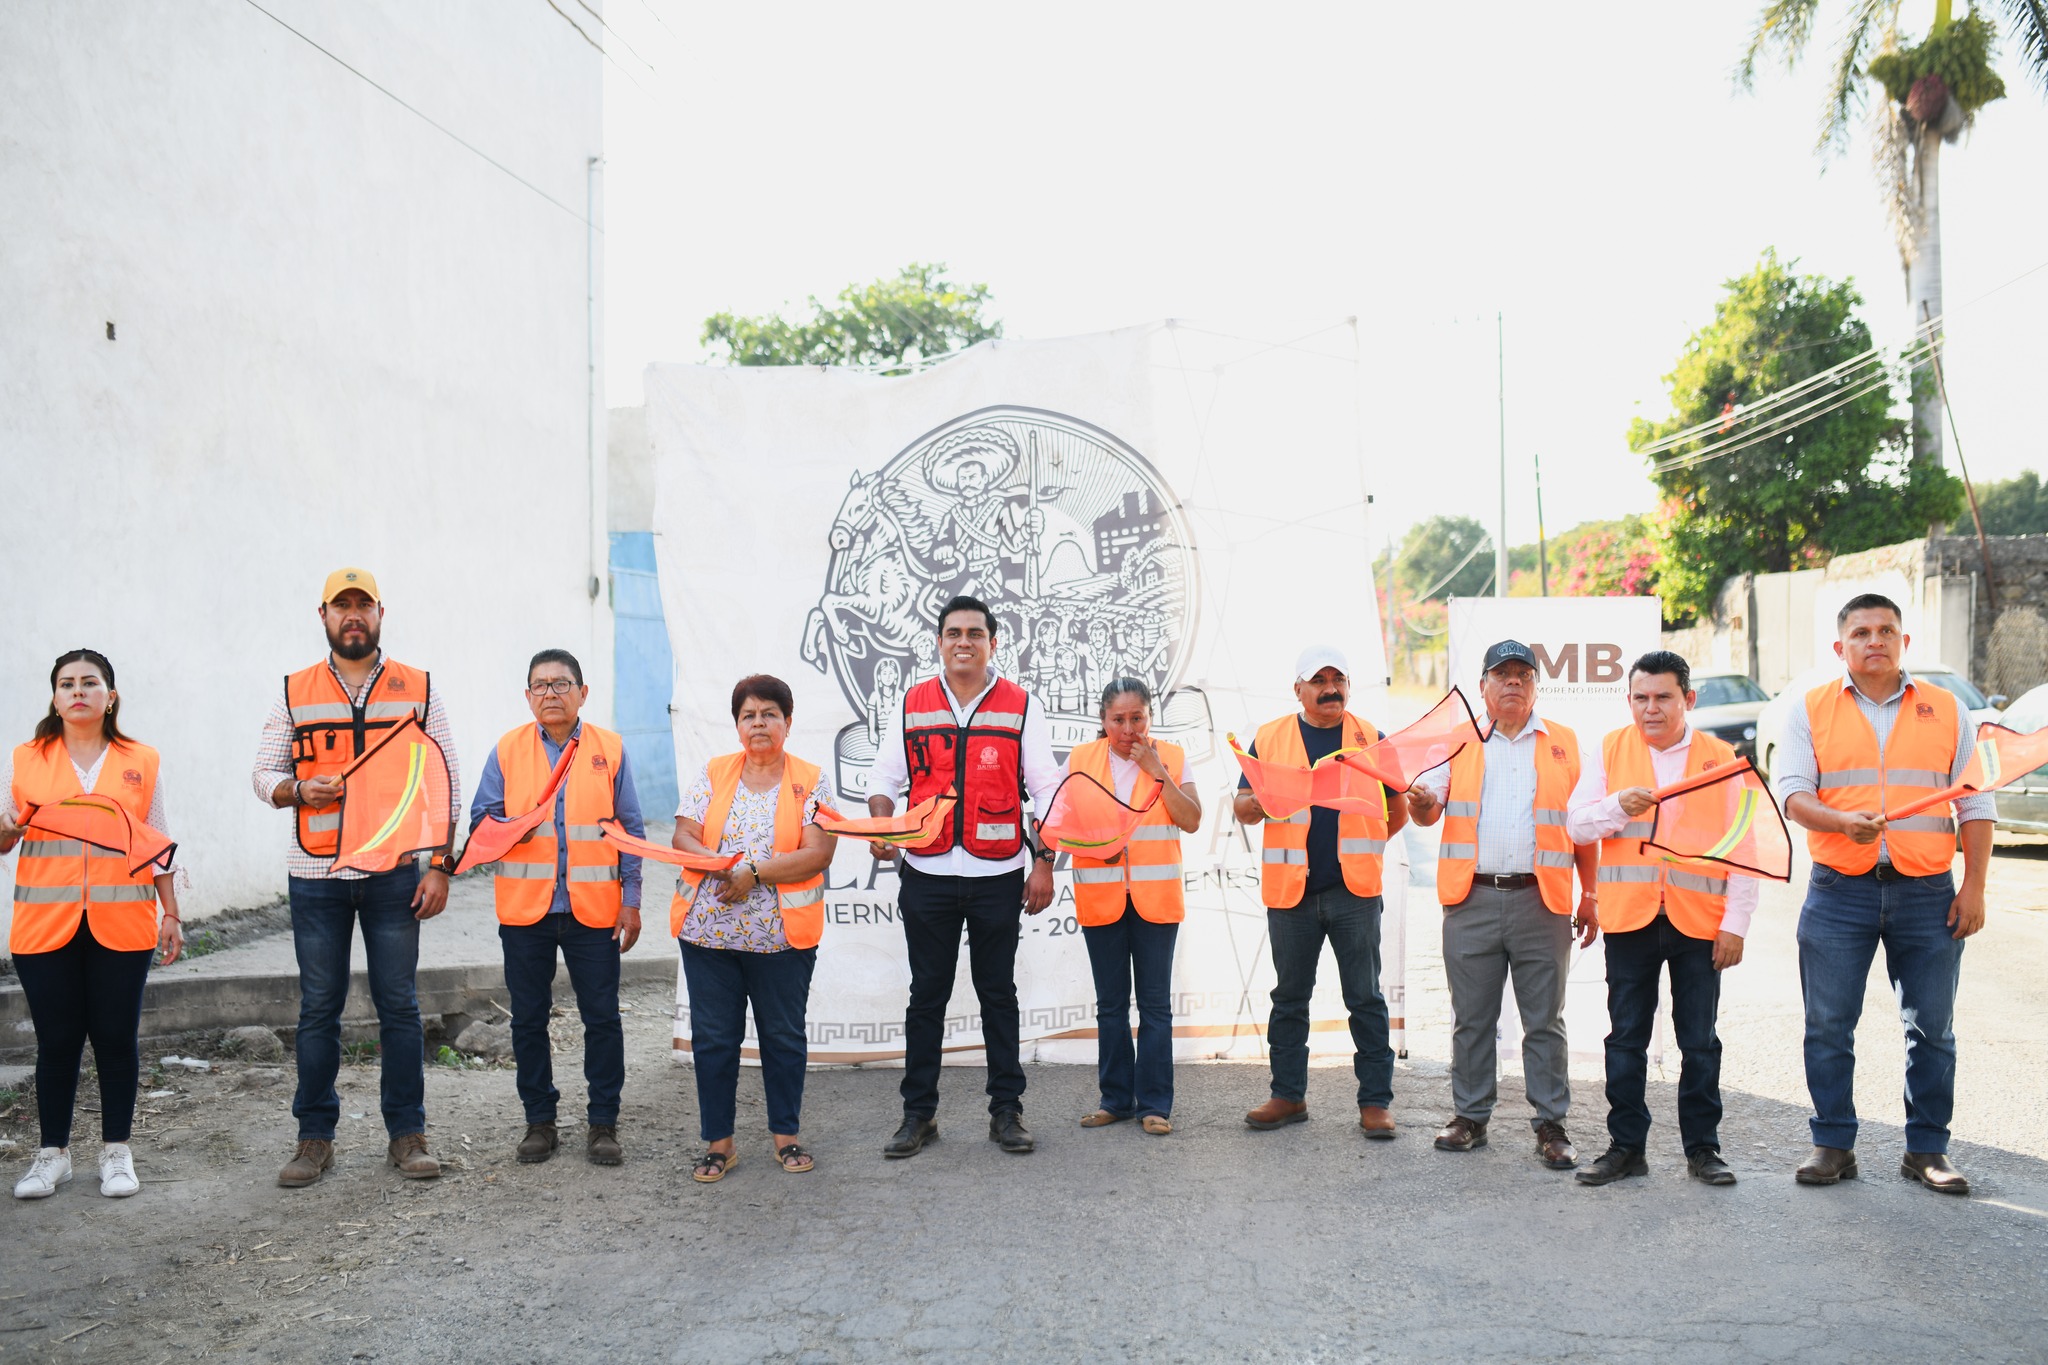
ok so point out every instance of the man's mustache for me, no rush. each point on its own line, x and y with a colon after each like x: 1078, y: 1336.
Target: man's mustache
x: 1331, y: 696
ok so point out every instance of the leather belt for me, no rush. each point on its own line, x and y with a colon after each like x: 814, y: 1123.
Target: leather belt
x: 1505, y: 881
x: 1885, y: 872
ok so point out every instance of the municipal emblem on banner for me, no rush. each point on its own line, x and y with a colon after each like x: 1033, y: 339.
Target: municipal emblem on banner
x: 1071, y: 537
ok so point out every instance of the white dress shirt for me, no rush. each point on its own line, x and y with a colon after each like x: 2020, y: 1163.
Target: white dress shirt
x: 891, y: 777
x: 1507, y: 800
x: 1596, y: 815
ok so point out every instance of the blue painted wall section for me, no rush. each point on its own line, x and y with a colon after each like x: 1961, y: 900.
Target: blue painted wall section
x: 644, y: 668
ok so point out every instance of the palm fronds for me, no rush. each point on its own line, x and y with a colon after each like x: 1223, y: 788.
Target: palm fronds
x: 2029, y: 23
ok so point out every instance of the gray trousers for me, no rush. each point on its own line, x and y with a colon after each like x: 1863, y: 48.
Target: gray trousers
x: 1487, y: 935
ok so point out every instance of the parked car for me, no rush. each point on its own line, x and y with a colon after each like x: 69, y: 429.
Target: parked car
x: 1770, y: 722
x: 2023, y: 806
x: 1726, y: 706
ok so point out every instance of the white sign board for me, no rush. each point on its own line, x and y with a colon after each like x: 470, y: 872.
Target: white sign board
x: 1121, y: 501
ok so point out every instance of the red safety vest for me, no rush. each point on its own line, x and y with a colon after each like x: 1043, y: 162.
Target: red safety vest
x: 59, y: 881
x: 983, y: 763
x: 328, y: 731
x: 525, y: 876
x: 1147, y: 872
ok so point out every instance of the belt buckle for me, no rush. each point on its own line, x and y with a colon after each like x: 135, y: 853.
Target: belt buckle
x: 1885, y: 872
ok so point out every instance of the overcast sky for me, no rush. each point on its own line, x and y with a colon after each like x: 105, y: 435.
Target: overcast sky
x: 1588, y: 171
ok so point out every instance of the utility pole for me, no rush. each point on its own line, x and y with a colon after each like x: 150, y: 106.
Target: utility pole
x: 1542, y: 545
x: 1500, y: 535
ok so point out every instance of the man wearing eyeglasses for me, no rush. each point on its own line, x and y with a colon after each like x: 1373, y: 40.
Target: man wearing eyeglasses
x: 563, y: 887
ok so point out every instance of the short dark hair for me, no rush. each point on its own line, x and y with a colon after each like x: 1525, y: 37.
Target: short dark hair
x: 1868, y: 601
x: 556, y: 656
x: 965, y: 603
x: 762, y: 687
x: 1659, y: 661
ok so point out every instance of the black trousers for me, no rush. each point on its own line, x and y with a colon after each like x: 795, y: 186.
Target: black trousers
x: 1635, y: 959
x: 933, y: 911
x: 79, y: 991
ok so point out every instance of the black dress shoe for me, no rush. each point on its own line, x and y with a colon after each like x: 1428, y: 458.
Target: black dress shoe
x: 912, y: 1136
x: 1006, y: 1126
x: 1616, y: 1163
x: 1932, y: 1170
x: 1706, y: 1165
x: 1826, y: 1166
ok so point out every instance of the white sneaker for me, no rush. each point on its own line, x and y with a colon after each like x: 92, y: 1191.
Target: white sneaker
x: 51, y: 1168
x: 117, y: 1171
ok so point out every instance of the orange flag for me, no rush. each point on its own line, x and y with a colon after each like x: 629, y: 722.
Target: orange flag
x: 1398, y: 759
x: 395, y: 801
x: 615, y: 835
x: 1724, y: 816
x: 909, y: 830
x: 1332, y: 783
x: 2001, y: 756
x: 105, y: 822
x: 1087, y: 818
x: 495, y: 835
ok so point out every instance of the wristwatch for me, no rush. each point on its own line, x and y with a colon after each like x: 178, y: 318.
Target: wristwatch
x: 1045, y: 854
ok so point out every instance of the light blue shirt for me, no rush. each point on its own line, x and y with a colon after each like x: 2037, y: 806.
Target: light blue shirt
x: 490, y: 800
x: 1507, y: 800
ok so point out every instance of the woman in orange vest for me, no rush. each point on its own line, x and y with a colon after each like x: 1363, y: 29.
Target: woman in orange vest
x: 85, y: 926
x: 750, y: 935
x: 1130, y: 908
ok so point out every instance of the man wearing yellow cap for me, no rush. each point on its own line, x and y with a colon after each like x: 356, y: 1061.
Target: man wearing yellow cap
x: 327, y: 715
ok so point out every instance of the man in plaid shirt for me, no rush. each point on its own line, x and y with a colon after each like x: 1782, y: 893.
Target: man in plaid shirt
x: 324, y: 717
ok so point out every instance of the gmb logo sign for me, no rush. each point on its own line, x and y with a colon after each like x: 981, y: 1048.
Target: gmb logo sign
x: 1579, y: 662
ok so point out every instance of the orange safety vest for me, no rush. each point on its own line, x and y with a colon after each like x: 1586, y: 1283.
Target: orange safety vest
x: 56, y: 881
x: 1916, y: 762
x: 1283, y: 855
x: 1635, y: 880
x: 1557, y: 772
x: 525, y: 876
x: 328, y: 731
x: 802, y: 903
x: 1147, y: 872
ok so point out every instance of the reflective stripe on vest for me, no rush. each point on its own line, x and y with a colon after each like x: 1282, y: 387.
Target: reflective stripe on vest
x: 1639, y: 881
x: 1916, y: 760
x: 1556, y: 761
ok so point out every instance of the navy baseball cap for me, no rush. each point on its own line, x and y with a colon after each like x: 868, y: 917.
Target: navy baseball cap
x: 1507, y: 651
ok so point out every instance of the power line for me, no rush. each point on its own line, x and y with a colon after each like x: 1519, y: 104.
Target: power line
x: 620, y: 36
x: 1781, y: 426
x: 413, y: 109
x: 601, y: 50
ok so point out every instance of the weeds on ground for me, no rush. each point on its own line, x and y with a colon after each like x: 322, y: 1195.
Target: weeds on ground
x: 360, y: 1053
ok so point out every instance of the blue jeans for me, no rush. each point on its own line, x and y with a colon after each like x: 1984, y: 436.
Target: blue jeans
x: 593, y: 959
x: 1352, y: 925
x: 1139, y: 1082
x: 1844, y: 920
x: 722, y: 982
x: 1635, y: 959
x: 325, y: 912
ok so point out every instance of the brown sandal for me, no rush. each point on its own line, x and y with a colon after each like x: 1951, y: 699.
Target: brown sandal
x: 1102, y: 1118
x: 795, y: 1159
x: 717, y: 1162
x: 1156, y: 1124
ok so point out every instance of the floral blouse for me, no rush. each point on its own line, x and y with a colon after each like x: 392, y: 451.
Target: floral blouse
x: 754, y: 925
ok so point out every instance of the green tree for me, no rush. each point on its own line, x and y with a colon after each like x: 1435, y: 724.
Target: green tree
x: 1927, y: 93
x: 1840, y: 480
x: 892, y: 323
x: 2014, y: 507
x: 1441, y: 558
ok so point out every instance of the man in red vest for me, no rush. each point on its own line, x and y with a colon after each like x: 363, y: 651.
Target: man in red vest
x: 985, y: 739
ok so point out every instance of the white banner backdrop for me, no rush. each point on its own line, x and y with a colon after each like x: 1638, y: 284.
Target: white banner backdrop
x: 1583, y: 647
x: 1164, y: 500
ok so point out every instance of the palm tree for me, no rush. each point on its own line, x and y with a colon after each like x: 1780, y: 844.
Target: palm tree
x: 1929, y: 93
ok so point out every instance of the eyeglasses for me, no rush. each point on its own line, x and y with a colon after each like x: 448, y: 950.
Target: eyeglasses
x: 560, y: 687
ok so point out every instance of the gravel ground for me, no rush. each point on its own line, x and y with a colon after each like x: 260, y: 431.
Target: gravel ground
x: 1217, y: 1243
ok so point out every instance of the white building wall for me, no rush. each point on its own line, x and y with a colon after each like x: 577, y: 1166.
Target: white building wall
x: 340, y: 338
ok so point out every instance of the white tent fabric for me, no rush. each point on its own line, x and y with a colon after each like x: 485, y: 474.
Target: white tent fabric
x: 1164, y: 500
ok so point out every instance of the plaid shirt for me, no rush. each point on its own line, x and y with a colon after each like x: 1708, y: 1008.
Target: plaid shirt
x: 274, y: 765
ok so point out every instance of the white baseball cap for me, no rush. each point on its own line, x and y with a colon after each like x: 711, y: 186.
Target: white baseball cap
x: 1316, y: 658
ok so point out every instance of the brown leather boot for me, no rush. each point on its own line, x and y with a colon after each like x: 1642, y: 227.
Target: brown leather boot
x: 1933, y: 1170
x: 1378, y: 1123
x: 1827, y: 1166
x: 408, y: 1153
x: 1277, y: 1113
x: 601, y: 1145
x: 539, y: 1143
x: 313, y: 1157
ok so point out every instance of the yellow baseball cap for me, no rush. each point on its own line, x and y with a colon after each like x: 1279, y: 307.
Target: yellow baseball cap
x: 341, y: 580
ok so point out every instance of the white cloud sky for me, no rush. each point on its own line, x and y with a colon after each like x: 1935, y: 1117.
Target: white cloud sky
x: 1588, y: 171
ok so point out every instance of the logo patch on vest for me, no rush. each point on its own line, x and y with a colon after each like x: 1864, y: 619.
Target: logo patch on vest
x: 988, y: 756
x: 1557, y: 752
x: 597, y: 762
x: 132, y: 777
x: 1923, y: 711
x: 397, y: 684
x: 798, y: 790
x: 1710, y: 763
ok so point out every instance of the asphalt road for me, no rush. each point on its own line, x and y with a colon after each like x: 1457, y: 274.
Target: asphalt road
x: 1217, y: 1243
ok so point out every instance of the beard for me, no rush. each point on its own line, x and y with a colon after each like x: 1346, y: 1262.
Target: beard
x: 353, y: 650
